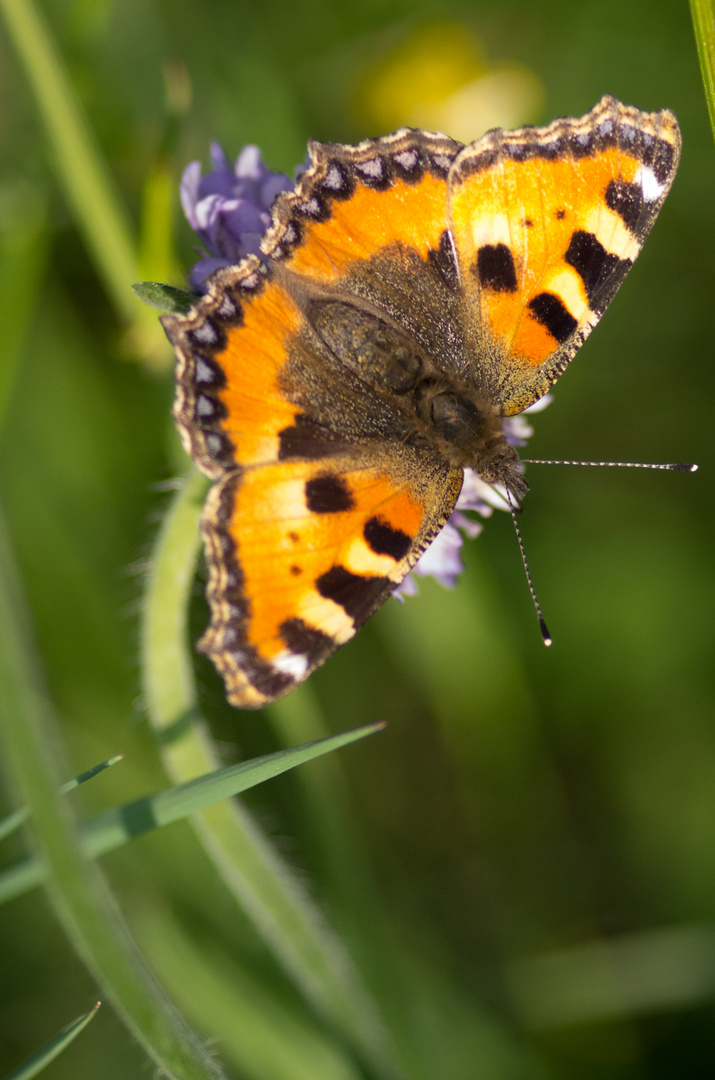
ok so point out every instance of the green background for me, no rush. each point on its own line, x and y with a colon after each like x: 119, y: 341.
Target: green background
x: 532, y: 839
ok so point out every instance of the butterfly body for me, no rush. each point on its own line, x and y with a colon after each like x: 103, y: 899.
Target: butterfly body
x: 412, y: 294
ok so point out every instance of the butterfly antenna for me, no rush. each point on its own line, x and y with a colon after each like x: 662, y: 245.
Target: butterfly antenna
x: 689, y: 467
x: 670, y: 467
x: 546, y: 636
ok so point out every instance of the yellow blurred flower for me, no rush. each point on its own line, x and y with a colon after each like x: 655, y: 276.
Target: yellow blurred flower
x: 439, y: 79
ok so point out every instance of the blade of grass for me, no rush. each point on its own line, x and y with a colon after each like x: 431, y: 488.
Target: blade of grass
x: 115, y: 827
x: 258, y: 878
x: 53, y: 1048
x: 704, y: 27
x: 77, y: 890
x: 614, y: 978
x: 118, y: 826
x: 89, y: 774
x: 85, y: 180
x: 86, y: 183
x: 14, y: 820
x: 23, y: 255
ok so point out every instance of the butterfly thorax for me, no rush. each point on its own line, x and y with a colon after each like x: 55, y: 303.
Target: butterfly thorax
x: 469, y: 434
x: 427, y: 403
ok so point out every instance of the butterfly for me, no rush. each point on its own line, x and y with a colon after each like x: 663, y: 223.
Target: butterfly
x: 411, y: 294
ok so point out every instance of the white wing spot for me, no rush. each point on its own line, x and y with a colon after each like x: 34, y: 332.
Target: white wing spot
x: 227, y: 308
x: 372, y: 168
x: 290, y: 663
x: 407, y: 159
x: 311, y: 207
x: 334, y: 179
x: 203, y: 373
x: 205, y: 334
x: 650, y: 185
x: 214, y: 445
x: 491, y: 228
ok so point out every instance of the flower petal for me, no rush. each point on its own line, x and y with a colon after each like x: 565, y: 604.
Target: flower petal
x: 229, y: 207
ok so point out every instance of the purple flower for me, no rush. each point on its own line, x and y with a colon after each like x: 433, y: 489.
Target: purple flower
x: 229, y: 208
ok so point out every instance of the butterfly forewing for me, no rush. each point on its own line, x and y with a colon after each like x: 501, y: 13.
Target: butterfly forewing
x: 547, y: 223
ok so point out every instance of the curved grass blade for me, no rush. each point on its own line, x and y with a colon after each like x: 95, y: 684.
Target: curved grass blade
x: 704, y: 27
x: 264, y: 1034
x: 85, y: 180
x: 84, y: 177
x: 77, y: 889
x: 53, y: 1048
x: 13, y: 821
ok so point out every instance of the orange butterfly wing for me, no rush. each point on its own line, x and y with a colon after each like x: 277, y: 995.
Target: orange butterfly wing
x: 547, y: 222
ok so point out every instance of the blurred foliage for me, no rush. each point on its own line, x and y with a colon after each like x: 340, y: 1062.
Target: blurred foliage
x: 524, y: 868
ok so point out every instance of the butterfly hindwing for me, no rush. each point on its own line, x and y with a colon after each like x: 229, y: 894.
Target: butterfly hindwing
x: 322, y: 507
x: 301, y: 553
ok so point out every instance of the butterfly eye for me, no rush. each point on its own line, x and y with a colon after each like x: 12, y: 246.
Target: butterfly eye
x: 455, y: 419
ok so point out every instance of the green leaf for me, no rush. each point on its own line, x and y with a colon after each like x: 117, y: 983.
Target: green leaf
x: 165, y: 297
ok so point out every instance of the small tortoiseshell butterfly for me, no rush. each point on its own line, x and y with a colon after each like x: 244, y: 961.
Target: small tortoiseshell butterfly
x: 413, y: 292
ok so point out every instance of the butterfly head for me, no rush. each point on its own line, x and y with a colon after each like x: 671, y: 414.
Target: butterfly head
x: 466, y: 431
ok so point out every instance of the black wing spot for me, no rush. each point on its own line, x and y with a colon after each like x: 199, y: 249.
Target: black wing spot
x: 357, y: 595
x: 549, y: 310
x: 627, y: 201
x: 328, y: 495
x: 306, y: 640
x: 495, y: 268
x: 590, y: 259
x: 383, y: 539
